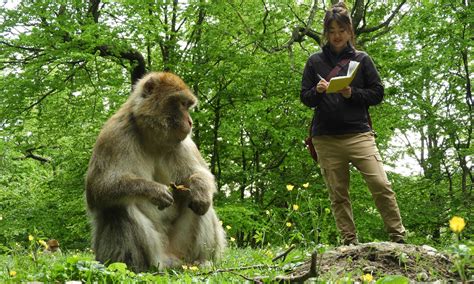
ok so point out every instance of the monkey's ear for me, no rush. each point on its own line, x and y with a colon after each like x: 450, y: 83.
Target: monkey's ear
x: 149, y: 87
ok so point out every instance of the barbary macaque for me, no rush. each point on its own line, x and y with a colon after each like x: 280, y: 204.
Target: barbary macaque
x: 148, y: 190
x: 52, y: 246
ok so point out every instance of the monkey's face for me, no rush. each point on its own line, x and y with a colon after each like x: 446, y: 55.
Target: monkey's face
x: 176, y: 109
x: 164, y: 107
x: 53, y: 245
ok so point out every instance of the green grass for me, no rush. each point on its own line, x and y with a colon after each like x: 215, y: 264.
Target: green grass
x: 27, y: 265
x: 239, y: 265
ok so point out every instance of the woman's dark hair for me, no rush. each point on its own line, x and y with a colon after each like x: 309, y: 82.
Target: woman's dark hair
x: 341, y: 15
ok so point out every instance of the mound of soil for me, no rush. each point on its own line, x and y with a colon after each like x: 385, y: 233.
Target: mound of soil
x: 417, y: 263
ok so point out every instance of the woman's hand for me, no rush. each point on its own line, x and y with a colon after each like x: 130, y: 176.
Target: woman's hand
x: 322, y: 86
x: 346, y: 92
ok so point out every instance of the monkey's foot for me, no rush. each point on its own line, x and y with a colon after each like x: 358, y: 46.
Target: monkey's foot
x: 170, y: 261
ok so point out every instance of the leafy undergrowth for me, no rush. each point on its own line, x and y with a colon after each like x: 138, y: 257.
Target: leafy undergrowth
x: 376, y: 263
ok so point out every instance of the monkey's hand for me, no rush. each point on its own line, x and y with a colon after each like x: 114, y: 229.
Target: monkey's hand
x: 161, y: 196
x: 199, y: 204
x: 201, y: 190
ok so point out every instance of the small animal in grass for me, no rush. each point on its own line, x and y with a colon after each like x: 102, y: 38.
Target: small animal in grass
x: 52, y: 246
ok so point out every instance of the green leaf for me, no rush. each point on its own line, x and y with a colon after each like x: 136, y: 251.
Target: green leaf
x: 393, y: 279
x: 118, y: 266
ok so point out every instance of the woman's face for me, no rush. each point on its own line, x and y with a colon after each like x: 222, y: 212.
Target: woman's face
x: 338, y: 36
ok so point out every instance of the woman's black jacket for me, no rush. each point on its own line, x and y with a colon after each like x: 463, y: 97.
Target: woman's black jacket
x: 334, y: 114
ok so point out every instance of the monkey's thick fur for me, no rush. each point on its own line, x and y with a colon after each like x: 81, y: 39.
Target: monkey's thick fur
x: 136, y: 218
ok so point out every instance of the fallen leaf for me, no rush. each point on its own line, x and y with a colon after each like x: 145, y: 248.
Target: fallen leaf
x: 178, y: 187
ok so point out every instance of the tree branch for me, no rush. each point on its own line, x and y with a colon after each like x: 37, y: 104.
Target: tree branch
x: 21, y: 47
x: 373, y: 37
x: 299, y: 32
x: 358, y: 12
x: 29, y: 155
x: 284, y: 254
x: 312, y: 272
x: 136, y: 59
x: 47, y: 94
x: 465, y: 61
x: 386, y: 23
x: 36, y: 157
x: 94, y: 10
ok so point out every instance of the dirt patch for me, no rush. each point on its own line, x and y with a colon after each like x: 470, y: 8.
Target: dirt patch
x: 417, y: 263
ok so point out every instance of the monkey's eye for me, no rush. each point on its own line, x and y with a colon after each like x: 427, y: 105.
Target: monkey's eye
x: 187, y: 104
x: 190, y: 104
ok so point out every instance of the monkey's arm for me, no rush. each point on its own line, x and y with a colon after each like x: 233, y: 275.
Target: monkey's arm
x: 118, y: 174
x: 202, y: 188
x: 198, y: 178
x: 124, y: 189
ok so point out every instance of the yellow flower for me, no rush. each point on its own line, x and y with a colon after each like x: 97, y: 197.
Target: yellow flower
x: 288, y: 224
x: 305, y: 185
x: 228, y: 227
x: 290, y: 187
x: 30, y: 238
x: 295, y: 207
x: 43, y: 243
x: 267, y: 212
x: 12, y: 273
x: 367, y: 278
x: 185, y: 267
x: 232, y: 239
x: 457, y: 224
x: 193, y: 268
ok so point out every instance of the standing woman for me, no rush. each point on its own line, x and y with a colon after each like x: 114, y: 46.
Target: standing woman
x: 341, y: 133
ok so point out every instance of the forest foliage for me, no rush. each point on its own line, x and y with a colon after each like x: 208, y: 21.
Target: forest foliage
x: 67, y: 66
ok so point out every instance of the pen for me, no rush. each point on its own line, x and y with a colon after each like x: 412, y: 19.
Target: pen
x: 319, y: 76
